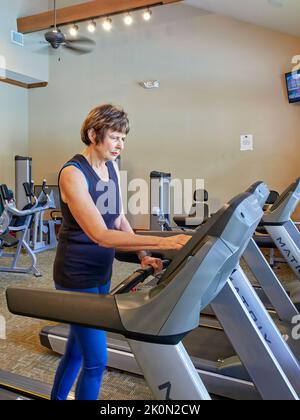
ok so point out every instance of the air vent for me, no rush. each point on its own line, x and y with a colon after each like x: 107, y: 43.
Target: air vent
x: 17, y: 38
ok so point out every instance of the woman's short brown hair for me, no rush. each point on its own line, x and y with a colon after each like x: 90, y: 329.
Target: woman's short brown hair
x: 103, y: 118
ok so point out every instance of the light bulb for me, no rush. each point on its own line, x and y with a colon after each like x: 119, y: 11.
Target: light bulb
x: 107, y: 24
x: 92, y: 26
x: 147, y: 14
x: 128, y: 19
x: 74, y: 30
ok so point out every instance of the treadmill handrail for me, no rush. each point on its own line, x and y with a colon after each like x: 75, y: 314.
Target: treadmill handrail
x: 284, y: 206
x: 96, y: 311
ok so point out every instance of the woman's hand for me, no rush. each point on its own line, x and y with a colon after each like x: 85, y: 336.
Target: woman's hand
x: 174, y: 242
x: 156, y: 263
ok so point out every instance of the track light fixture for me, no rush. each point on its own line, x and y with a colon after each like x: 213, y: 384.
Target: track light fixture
x: 147, y: 14
x: 128, y: 19
x: 107, y: 24
x: 74, y: 30
x: 92, y: 26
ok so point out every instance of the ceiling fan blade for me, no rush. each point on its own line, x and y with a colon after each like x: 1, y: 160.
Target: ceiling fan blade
x: 81, y: 40
x: 77, y: 50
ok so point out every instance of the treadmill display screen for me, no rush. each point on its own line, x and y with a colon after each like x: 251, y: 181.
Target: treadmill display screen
x: 293, y: 86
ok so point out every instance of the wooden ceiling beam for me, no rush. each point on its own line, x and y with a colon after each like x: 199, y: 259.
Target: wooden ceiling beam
x: 83, y: 11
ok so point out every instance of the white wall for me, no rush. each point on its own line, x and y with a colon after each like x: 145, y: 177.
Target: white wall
x: 25, y: 60
x: 220, y: 78
x: 14, y: 129
x: 14, y: 100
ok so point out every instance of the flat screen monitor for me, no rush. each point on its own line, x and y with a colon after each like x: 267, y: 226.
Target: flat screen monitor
x: 293, y: 86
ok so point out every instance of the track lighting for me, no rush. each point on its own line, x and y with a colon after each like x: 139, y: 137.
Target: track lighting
x: 128, y: 19
x: 147, y: 14
x: 107, y: 24
x: 74, y: 30
x: 92, y: 26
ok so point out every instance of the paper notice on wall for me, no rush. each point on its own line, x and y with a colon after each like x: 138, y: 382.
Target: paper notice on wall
x: 246, y: 142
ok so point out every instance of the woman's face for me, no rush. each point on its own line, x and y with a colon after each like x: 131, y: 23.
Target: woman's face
x: 112, y: 145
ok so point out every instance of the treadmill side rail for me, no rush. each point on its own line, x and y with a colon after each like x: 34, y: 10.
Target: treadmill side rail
x: 251, y: 345
x: 269, y: 282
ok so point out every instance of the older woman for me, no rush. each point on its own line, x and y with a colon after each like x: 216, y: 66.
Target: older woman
x: 93, y: 227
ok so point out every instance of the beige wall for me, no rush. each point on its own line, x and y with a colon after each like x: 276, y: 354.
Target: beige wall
x: 220, y: 78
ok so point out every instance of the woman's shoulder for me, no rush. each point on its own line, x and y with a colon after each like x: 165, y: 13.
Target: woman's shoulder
x: 78, y: 158
x: 71, y: 172
x: 74, y: 167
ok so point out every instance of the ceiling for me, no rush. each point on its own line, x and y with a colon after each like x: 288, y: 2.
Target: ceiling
x: 279, y: 15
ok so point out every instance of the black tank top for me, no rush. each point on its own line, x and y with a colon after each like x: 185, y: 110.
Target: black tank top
x: 79, y: 262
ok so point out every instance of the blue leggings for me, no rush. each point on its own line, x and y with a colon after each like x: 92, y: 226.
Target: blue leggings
x: 86, y: 350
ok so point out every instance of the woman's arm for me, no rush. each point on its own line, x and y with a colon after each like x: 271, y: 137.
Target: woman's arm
x: 122, y: 224
x: 74, y: 192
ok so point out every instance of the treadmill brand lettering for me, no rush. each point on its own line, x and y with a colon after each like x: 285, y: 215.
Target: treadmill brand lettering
x: 296, y: 328
x: 254, y: 317
x: 282, y: 244
x: 288, y: 252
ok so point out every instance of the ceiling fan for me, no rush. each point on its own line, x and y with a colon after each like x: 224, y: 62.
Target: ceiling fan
x: 56, y: 39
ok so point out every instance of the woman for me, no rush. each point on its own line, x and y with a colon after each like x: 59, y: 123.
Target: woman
x: 93, y: 227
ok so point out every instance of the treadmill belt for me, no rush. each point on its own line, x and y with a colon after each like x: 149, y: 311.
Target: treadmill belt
x: 208, y: 343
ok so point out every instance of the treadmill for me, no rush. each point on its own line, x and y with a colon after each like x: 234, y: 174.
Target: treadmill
x: 270, y: 290
x: 278, y: 223
x: 158, y: 321
x: 282, y: 232
x: 18, y: 387
x: 229, y: 368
